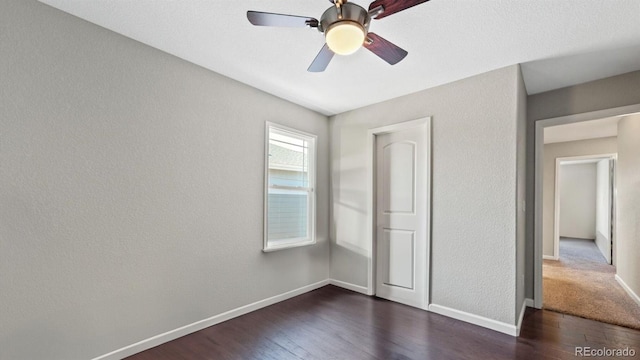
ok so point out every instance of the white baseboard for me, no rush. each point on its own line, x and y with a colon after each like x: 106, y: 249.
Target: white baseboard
x: 475, y: 319
x: 199, y: 325
x: 626, y: 288
x: 530, y: 303
x: 550, y: 257
x: 522, y: 310
x: 349, y: 286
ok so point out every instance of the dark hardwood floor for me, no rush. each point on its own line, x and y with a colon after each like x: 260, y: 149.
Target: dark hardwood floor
x: 333, y: 323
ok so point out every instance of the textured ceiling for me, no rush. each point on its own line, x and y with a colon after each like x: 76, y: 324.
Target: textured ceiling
x: 559, y: 42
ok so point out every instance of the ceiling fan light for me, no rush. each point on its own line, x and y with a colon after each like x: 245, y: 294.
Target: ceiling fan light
x: 345, y: 37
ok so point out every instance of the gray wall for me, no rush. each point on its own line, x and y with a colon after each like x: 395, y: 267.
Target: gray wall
x: 601, y: 94
x: 577, y: 216
x: 131, y: 187
x: 557, y: 150
x: 474, y: 190
x: 628, y: 182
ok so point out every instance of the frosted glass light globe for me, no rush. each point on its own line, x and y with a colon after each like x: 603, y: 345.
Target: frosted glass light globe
x: 345, y: 38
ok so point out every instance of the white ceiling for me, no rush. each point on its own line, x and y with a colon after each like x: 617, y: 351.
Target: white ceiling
x: 585, y: 161
x: 559, y: 42
x: 582, y: 130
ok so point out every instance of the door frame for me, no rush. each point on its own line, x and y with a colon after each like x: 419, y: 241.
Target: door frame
x: 556, y: 199
x: 422, y: 124
x: 538, y: 174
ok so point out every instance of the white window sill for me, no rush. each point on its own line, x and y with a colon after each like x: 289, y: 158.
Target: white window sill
x: 287, y: 245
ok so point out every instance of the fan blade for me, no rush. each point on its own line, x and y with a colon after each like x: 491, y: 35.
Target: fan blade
x: 322, y: 60
x: 391, y: 7
x: 270, y: 19
x: 385, y: 49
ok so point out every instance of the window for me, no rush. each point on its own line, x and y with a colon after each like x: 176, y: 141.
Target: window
x: 289, y: 188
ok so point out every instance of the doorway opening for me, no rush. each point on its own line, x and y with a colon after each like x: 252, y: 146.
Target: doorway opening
x: 575, y: 218
x: 584, y: 204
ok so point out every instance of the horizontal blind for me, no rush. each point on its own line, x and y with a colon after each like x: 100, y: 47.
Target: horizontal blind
x: 287, y: 215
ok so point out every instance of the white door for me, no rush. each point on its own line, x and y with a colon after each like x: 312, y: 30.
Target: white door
x: 402, y: 217
x: 604, y: 208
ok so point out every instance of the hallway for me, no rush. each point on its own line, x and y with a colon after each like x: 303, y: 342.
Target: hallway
x: 581, y: 283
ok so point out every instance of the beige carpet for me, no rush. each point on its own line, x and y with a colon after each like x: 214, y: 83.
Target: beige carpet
x: 581, y: 283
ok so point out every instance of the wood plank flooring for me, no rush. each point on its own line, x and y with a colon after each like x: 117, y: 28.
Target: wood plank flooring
x: 333, y: 323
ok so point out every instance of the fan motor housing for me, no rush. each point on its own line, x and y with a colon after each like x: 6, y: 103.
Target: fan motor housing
x: 347, y: 12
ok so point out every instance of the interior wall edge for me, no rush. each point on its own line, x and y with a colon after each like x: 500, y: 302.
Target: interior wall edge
x: 349, y: 286
x: 499, y: 326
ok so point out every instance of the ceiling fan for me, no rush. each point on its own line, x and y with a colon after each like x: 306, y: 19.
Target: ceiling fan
x: 346, y: 29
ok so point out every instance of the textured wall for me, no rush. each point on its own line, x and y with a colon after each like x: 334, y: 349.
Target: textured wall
x: 601, y: 94
x: 131, y: 187
x: 564, y: 149
x: 628, y: 186
x: 474, y: 190
x: 578, y: 201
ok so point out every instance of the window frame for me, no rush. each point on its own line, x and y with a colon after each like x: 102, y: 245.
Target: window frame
x: 269, y: 246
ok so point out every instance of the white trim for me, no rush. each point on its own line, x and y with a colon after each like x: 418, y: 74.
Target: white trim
x: 556, y: 211
x: 538, y: 173
x: 537, y: 216
x: 521, y: 317
x: 529, y: 302
x: 288, y: 245
x: 550, y: 257
x: 475, y: 319
x: 350, y: 286
x: 313, y: 160
x: 199, y: 325
x: 371, y: 136
x: 626, y: 288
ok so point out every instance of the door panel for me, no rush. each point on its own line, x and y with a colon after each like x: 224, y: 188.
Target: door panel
x: 399, y: 246
x: 398, y: 163
x: 402, y: 216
